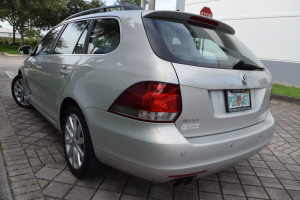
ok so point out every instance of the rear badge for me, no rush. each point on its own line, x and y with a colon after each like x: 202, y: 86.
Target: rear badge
x: 244, y: 79
x: 189, y: 126
x: 187, y: 120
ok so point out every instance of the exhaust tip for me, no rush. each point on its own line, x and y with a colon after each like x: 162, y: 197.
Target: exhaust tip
x: 177, y: 183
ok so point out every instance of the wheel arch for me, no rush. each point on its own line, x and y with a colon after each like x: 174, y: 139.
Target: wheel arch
x: 66, y: 103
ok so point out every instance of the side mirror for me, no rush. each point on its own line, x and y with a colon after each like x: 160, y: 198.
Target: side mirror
x: 25, y: 50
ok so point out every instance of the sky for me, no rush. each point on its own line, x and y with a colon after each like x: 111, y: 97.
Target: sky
x: 4, y: 24
x: 159, y: 5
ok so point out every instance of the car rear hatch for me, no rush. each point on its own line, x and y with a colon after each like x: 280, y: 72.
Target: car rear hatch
x: 224, y: 87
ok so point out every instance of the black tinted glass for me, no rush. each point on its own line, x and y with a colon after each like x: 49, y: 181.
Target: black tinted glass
x: 69, y: 38
x: 44, y: 47
x: 191, y: 44
x: 105, y: 36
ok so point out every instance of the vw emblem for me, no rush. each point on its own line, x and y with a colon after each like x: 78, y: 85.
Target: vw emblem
x: 244, y: 79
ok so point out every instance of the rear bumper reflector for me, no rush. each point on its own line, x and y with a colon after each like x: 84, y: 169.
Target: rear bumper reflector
x: 185, y: 175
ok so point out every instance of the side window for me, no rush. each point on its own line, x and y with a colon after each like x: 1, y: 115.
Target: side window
x: 80, y: 44
x: 105, y: 36
x: 71, y: 37
x: 44, y: 47
x: 210, y: 50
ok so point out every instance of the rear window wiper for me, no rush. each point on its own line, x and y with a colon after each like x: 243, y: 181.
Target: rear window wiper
x: 246, y: 66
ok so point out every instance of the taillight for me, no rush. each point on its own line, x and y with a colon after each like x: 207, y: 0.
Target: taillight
x: 149, y: 101
x: 204, y: 20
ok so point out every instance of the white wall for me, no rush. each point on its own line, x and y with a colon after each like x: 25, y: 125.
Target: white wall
x: 4, y: 35
x: 270, y: 28
x: 7, y: 34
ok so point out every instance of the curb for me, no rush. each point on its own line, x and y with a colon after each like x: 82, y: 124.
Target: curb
x: 6, y: 54
x: 293, y: 100
x: 5, y: 192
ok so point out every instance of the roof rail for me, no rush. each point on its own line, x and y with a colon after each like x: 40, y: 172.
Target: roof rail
x: 103, y: 9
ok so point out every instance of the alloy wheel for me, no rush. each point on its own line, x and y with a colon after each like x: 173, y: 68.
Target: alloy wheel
x: 74, y: 141
x: 19, y: 93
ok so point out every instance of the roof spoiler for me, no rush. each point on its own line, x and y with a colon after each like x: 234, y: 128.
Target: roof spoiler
x: 190, y: 17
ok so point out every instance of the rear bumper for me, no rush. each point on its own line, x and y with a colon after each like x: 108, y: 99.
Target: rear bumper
x: 154, y: 151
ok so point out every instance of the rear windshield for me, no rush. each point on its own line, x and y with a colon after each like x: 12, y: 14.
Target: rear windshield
x: 189, y: 43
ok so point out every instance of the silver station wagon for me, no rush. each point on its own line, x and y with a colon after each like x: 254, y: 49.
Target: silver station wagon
x: 161, y: 95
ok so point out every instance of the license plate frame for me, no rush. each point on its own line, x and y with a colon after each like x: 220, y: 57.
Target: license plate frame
x: 245, y: 100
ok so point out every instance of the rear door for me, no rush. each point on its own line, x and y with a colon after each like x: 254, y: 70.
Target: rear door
x: 33, y: 66
x: 58, y: 67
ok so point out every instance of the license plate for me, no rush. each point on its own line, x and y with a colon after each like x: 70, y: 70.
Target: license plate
x: 237, y: 100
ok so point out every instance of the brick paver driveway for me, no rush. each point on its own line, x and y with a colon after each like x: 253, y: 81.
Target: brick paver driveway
x: 34, y: 162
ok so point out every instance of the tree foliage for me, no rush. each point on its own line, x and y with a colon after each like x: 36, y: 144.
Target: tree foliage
x: 32, y: 33
x: 22, y: 14
x: 75, y: 6
x: 41, y: 14
x: 96, y: 3
x: 7, y: 13
x: 134, y: 2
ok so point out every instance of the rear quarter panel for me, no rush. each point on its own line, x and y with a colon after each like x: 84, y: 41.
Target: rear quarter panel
x: 99, y: 79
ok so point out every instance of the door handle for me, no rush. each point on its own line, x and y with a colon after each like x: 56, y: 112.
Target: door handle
x: 64, y: 72
x: 38, y: 67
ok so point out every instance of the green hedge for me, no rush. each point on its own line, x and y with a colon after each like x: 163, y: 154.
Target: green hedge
x: 8, y: 40
x: 286, y: 90
x: 10, y: 49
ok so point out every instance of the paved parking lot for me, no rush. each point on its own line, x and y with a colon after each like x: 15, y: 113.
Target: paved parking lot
x: 33, y: 159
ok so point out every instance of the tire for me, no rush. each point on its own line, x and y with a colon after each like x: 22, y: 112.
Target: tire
x: 18, y: 92
x: 78, y: 147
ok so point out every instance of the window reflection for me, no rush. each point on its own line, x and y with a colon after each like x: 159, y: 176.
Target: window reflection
x: 105, y: 36
x: 45, y: 45
x: 70, y: 38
